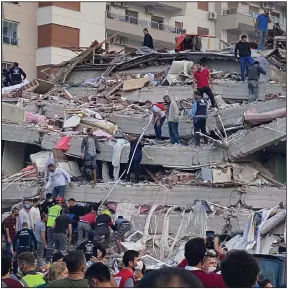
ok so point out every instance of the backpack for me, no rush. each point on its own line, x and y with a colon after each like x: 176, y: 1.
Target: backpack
x: 161, y: 106
x: 89, y: 248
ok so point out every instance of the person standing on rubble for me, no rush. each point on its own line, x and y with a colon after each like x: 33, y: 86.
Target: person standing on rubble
x: 48, y: 203
x: 173, y: 119
x: 24, y: 215
x: 16, y: 73
x: 5, y: 78
x: 58, y: 178
x: 136, y: 158
x: 148, y: 40
x: 89, y: 149
x: 245, y: 55
x: 253, y: 73
x: 158, y: 117
x: 261, y: 27
x: 34, y: 212
x: 199, y: 114
x: 203, y: 81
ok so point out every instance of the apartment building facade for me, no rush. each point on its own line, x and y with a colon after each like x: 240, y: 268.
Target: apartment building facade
x: 37, y: 34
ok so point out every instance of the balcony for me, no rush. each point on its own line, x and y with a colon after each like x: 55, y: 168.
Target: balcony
x: 243, y: 20
x: 128, y: 26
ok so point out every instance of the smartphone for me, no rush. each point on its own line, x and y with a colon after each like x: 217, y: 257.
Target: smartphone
x: 210, y: 239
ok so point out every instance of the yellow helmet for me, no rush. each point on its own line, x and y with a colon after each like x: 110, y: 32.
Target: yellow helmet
x: 106, y: 212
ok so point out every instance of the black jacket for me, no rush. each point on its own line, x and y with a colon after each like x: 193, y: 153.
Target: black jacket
x: 138, y: 152
x: 104, y: 221
x: 6, y: 81
x: 254, y: 71
x: 148, y: 41
x: 15, y: 73
x: 90, y: 249
x: 25, y: 240
x: 244, y: 49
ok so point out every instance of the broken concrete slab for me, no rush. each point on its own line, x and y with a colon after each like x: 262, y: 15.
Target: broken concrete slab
x: 13, y: 113
x: 256, y: 197
x: 133, y: 84
x: 22, y: 134
x: 178, y: 156
x: 43, y: 87
x: 229, y: 91
x: 258, y: 138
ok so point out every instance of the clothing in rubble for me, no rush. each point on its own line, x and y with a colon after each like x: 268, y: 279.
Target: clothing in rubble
x: 199, y: 115
x: 24, y: 241
x: 253, y: 73
x: 16, y: 73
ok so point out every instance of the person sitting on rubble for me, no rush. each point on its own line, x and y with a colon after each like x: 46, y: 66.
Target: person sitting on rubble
x: 173, y: 119
x: 253, y: 72
x: 87, y: 171
x: 16, y: 73
x: 102, y: 227
x: 158, y: 117
x: 6, y: 81
x: 148, y: 40
x: 135, y: 145
x: 169, y: 277
x: 58, y: 178
x: 89, y: 149
x: 25, y: 240
x: 203, y: 81
x: 199, y: 114
x: 92, y: 248
x: 195, y: 251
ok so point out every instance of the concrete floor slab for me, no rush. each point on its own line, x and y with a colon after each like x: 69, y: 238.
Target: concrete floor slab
x: 18, y: 133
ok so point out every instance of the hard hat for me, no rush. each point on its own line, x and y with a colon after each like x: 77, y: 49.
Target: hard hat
x: 59, y: 199
x: 106, y: 212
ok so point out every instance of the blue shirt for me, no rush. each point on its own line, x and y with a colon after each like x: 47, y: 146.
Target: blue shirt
x: 262, y: 21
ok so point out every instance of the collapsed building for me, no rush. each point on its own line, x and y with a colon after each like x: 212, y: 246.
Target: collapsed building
x: 184, y: 190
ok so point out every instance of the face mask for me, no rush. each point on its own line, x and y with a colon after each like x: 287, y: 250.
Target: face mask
x: 50, y: 200
x: 27, y: 206
x: 139, y: 266
x: 211, y: 269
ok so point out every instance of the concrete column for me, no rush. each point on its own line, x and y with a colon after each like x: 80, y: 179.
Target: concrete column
x: 105, y: 172
x: 13, y: 157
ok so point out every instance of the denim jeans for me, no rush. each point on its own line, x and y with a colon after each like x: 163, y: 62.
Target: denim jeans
x: 50, y: 241
x: 40, y: 253
x: 244, y: 61
x: 83, y: 228
x: 262, y: 35
x: 173, y: 132
x: 200, y: 126
x: 60, y: 240
x: 253, y: 87
x: 158, y: 127
x: 58, y: 191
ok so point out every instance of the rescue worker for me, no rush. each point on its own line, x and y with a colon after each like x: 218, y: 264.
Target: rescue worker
x: 15, y: 73
x: 48, y: 203
x: 25, y: 240
x: 126, y: 276
x: 27, y: 267
x: 53, y: 213
x: 199, y: 116
x: 103, y: 222
x: 5, y: 78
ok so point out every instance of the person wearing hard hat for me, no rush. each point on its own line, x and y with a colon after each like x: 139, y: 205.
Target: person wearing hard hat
x: 53, y: 213
x: 103, y: 222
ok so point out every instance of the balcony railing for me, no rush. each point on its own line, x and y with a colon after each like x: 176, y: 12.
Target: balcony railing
x: 252, y: 14
x: 144, y: 23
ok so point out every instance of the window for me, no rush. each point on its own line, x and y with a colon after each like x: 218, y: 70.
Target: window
x: 9, y: 32
x: 178, y: 26
x: 202, y: 31
x: 131, y: 16
x: 6, y: 65
x: 157, y: 22
x: 203, y: 6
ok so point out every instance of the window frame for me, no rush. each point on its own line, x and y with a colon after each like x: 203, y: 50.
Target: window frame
x: 10, y: 36
x: 7, y: 64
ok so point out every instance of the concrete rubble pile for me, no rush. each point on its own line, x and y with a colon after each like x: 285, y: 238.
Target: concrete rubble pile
x: 224, y: 183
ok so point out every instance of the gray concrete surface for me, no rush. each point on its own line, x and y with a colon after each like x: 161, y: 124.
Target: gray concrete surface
x: 13, y: 113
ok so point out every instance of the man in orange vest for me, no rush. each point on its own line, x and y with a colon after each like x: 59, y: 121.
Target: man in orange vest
x: 132, y: 263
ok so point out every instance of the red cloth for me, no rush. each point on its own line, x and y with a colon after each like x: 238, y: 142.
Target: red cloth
x: 10, y: 223
x: 202, y: 78
x: 124, y: 275
x: 209, y: 280
x: 11, y: 283
x: 63, y: 143
x: 159, y: 105
x: 89, y: 218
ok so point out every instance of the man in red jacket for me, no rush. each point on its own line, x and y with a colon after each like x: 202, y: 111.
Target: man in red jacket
x: 132, y: 263
x: 195, y: 251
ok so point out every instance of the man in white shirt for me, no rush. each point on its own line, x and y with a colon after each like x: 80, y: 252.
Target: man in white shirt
x: 34, y: 212
x: 24, y: 216
x: 58, y: 178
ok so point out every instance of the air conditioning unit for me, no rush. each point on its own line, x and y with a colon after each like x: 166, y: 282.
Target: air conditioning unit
x: 212, y: 16
x: 150, y: 9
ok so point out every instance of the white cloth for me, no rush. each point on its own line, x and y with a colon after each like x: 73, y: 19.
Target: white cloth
x: 117, y: 150
x: 35, y: 215
x: 158, y: 113
x: 58, y: 178
x: 24, y: 216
